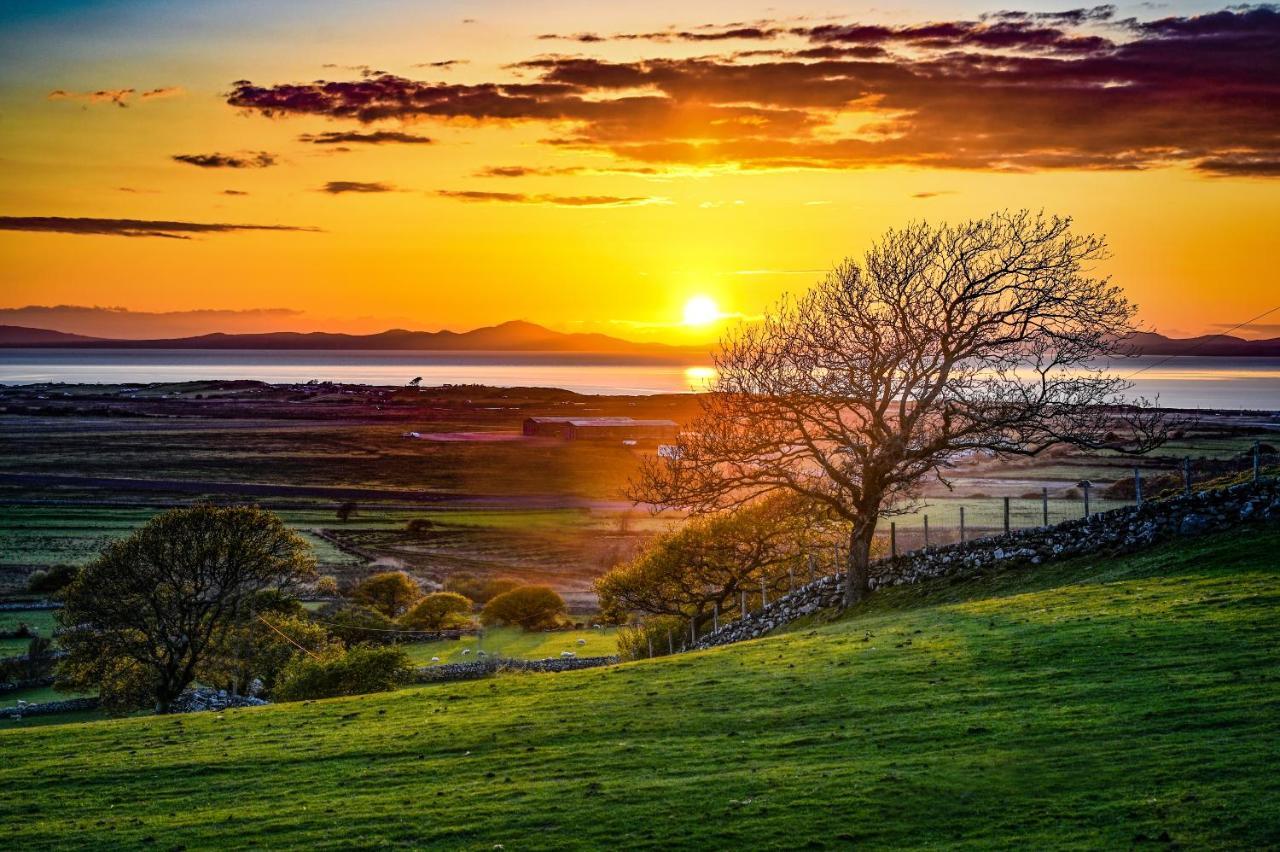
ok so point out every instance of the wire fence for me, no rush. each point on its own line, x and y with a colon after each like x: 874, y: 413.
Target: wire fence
x: 944, y: 521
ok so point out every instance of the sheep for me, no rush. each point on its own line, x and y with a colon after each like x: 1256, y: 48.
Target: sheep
x: 435, y: 659
x: 466, y: 651
x: 481, y: 654
x: 582, y: 641
x: 568, y: 654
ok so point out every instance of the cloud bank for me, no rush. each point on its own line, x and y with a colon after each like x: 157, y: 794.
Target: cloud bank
x: 129, y: 227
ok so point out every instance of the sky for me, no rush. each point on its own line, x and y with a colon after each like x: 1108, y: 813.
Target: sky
x: 352, y: 167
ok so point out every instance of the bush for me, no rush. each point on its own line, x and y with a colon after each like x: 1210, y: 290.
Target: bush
x: 327, y: 586
x: 357, y: 671
x: 50, y: 580
x: 658, y: 633
x: 391, y: 592
x: 479, y: 590
x: 355, y: 624
x: 528, y: 607
x: 437, y: 611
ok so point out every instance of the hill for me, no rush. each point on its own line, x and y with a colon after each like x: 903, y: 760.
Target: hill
x: 1149, y: 343
x: 515, y: 336
x: 1094, y: 703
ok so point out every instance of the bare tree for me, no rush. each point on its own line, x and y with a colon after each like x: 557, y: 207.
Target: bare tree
x: 989, y: 335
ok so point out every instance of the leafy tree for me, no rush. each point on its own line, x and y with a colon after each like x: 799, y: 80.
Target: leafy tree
x: 437, y: 611
x: 391, y: 592
x: 528, y: 607
x: 275, y: 631
x: 710, y: 561
x: 53, y: 579
x: 338, y: 671
x: 990, y: 335
x: 141, y: 619
x: 327, y: 586
x: 353, y: 624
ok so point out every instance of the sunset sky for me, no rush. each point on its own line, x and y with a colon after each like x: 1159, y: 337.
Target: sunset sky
x: 447, y: 164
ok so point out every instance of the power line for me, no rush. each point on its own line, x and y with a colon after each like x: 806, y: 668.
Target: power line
x: 1205, y: 341
x: 288, y: 638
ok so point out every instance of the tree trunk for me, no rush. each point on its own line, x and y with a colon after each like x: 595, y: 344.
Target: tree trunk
x: 857, y: 577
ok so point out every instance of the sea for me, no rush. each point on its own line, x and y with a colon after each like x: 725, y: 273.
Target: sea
x: 1179, y: 382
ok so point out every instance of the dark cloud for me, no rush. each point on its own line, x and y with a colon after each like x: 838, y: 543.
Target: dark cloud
x: 441, y: 63
x: 554, y: 200
x: 933, y: 194
x: 118, y: 97
x: 129, y: 227
x: 249, y: 160
x: 1015, y: 91
x: 377, y: 137
x: 234, y: 192
x: 560, y: 171
x: 338, y: 187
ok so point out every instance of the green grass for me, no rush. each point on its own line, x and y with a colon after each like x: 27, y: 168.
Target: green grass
x: 40, y: 620
x: 1084, y: 705
x: 520, y: 644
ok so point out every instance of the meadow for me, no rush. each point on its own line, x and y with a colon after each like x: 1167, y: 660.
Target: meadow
x: 1091, y: 703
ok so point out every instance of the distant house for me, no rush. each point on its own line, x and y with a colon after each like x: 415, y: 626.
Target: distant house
x: 624, y: 429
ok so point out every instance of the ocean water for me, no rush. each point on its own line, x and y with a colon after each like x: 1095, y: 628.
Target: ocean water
x: 1183, y: 382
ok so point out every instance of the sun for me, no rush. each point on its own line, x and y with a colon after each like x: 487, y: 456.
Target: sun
x: 700, y: 310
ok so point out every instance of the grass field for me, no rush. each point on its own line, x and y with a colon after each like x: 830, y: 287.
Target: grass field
x: 1090, y: 704
x: 519, y: 644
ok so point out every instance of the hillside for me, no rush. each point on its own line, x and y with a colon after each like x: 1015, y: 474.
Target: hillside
x: 1092, y: 703
x: 515, y: 336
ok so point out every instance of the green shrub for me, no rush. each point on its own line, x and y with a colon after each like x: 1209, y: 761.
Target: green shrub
x: 654, y: 637
x: 355, y: 624
x: 528, y: 607
x: 49, y: 580
x: 479, y: 590
x: 337, y: 672
x: 327, y: 586
x: 391, y: 592
x: 438, y: 611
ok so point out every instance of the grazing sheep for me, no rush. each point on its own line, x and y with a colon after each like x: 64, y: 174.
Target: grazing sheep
x: 480, y: 654
x: 568, y: 654
x: 582, y: 641
x: 435, y: 659
x: 466, y: 651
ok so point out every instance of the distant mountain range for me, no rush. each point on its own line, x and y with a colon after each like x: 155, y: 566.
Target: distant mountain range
x: 515, y: 336
x: 519, y: 336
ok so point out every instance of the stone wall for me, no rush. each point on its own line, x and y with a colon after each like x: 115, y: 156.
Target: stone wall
x: 493, y: 665
x: 1119, y: 531
x: 48, y: 708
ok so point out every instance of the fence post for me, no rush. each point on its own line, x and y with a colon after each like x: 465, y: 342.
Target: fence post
x: 1085, y: 485
x: 926, y: 532
x: 671, y: 642
x: 1186, y: 474
x: 1006, y: 515
x: 693, y: 632
x: 962, y: 524
x: 744, y: 603
x: 650, y: 638
x: 1044, y: 505
x: 811, y: 561
x: 1137, y: 485
x: 764, y: 594
x: 893, y: 539
x: 715, y: 617
x: 1257, y: 462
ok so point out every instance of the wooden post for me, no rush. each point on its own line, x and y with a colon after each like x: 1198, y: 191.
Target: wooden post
x: 893, y: 539
x: 764, y: 594
x: 1137, y: 486
x: 1086, y: 485
x: 671, y: 642
x: 791, y: 577
x: 1006, y: 515
x: 962, y: 524
x: 693, y: 631
x: 926, y: 532
x: 744, y: 604
x: 715, y: 617
x: 1044, y: 504
x: 811, y: 568
x: 650, y: 646
x: 1186, y: 474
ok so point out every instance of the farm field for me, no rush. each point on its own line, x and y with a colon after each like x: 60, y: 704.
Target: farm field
x: 1092, y: 704
x: 517, y: 644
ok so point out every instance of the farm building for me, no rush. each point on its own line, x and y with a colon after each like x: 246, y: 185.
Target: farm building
x: 601, y: 428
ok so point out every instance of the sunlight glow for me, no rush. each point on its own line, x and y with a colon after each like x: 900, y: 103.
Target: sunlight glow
x: 700, y: 310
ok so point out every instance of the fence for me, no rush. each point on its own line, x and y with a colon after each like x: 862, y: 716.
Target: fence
x: 941, y: 521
